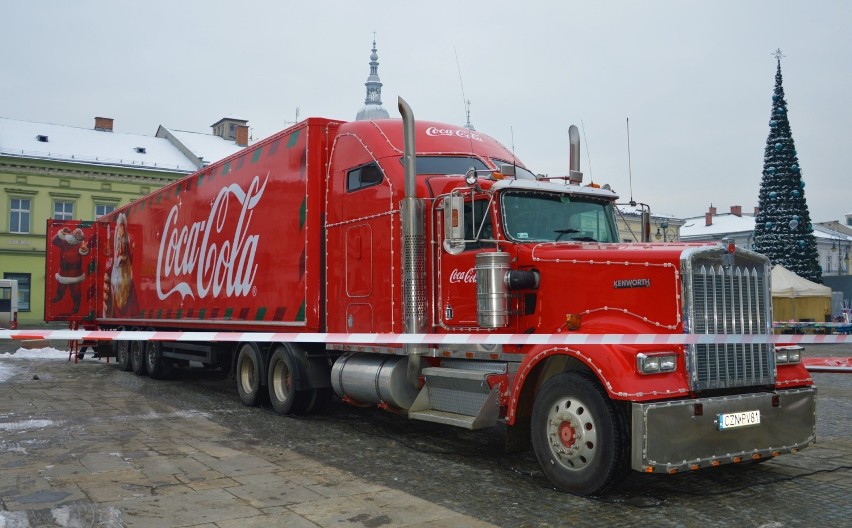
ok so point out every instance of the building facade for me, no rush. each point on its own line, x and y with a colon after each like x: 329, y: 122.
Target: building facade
x: 833, y: 246
x: 663, y: 228
x: 71, y: 173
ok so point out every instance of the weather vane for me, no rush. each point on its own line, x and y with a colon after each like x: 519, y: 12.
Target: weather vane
x: 777, y: 53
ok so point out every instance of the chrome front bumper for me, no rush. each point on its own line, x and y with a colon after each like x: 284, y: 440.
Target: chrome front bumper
x: 684, y: 434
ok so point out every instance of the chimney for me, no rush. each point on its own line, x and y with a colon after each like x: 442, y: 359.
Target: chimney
x: 737, y: 210
x: 104, y: 124
x: 712, y: 211
x: 242, y: 136
x: 756, y: 210
x: 708, y: 218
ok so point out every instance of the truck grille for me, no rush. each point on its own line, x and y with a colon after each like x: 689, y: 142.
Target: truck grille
x: 729, y: 299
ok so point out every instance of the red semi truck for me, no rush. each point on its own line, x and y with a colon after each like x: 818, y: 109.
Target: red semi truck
x: 403, y: 227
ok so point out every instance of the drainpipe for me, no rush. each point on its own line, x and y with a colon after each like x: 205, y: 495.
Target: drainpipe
x: 413, y: 249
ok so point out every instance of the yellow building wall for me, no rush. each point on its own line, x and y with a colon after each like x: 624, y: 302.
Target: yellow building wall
x: 44, y: 183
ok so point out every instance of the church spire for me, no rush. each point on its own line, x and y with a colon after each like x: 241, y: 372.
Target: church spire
x: 373, y: 108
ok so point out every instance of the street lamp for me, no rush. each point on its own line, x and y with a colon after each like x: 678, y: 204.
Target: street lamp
x: 658, y: 235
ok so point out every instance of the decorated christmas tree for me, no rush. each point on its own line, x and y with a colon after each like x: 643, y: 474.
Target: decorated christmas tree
x: 783, y: 230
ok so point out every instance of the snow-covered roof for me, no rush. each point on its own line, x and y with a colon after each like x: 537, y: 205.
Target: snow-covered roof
x: 207, y: 147
x: 27, y: 139
x: 825, y: 232
x: 628, y: 210
x: 723, y: 224
x: 728, y: 224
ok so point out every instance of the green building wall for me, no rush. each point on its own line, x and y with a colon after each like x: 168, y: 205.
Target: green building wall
x: 45, y: 182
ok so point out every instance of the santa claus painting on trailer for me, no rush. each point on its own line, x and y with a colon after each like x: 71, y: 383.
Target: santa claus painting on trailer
x: 72, y: 249
x: 119, y: 287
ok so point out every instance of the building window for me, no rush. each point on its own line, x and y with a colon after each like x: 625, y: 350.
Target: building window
x: 828, y: 264
x: 23, y: 289
x: 102, y: 209
x: 63, y: 210
x: 19, y: 215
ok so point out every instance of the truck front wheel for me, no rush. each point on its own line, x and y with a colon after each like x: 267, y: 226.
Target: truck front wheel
x: 579, y: 436
x: 248, y: 375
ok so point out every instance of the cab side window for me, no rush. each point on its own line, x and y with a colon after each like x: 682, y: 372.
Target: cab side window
x: 364, y: 176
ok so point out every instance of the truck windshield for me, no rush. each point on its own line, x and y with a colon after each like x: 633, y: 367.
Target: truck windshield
x: 553, y: 217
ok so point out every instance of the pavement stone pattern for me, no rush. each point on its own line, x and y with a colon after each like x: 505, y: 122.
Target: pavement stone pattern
x: 88, y: 446
x: 73, y: 454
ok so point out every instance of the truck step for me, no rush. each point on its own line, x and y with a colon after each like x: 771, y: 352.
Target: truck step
x: 458, y: 420
x: 457, y: 396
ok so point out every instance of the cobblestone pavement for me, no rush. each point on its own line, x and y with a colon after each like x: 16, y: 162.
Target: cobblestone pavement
x: 88, y: 445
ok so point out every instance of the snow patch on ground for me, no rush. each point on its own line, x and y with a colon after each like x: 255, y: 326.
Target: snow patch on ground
x: 25, y: 425
x: 9, y: 360
x: 36, y: 353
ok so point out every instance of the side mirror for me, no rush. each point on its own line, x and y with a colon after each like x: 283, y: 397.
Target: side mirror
x: 454, y: 224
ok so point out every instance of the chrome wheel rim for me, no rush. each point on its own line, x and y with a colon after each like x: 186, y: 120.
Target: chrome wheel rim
x: 572, y: 434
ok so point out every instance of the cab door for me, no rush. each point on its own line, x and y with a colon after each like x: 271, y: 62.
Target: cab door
x: 456, y: 273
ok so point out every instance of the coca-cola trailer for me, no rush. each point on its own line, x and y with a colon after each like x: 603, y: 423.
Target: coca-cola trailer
x: 392, y: 227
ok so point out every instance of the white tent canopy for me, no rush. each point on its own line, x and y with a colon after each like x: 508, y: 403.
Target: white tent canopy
x: 787, y: 284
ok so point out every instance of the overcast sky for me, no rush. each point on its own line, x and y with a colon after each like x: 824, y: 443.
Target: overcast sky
x: 694, y: 78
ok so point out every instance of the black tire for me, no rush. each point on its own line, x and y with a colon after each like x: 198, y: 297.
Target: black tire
x: 158, y: 366
x: 579, y: 436
x: 248, y: 374
x: 137, y: 358
x: 122, y: 355
x: 280, y: 381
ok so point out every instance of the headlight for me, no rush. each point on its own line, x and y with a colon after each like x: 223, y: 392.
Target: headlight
x: 788, y: 355
x: 656, y: 363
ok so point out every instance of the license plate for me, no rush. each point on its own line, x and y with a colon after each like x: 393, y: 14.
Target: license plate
x: 738, y: 419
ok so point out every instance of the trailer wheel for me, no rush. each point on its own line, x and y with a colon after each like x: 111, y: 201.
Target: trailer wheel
x: 281, y: 381
x: 137, y: 358
x: 122, y: 353
x: 158, y: 366
x: 578, y: 435
x: 248, y: 375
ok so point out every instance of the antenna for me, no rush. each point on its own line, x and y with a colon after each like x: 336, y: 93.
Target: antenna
x: 297, y: 118
x: 465, y: 100
x: 588, y: 156
x: 629, y: 168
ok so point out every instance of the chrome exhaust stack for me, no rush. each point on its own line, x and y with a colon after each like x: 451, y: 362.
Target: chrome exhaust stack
x: 413, y: 248
x: 574, y: 174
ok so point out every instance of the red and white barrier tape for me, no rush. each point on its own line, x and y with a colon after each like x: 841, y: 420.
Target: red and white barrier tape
x: 427, y: 339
